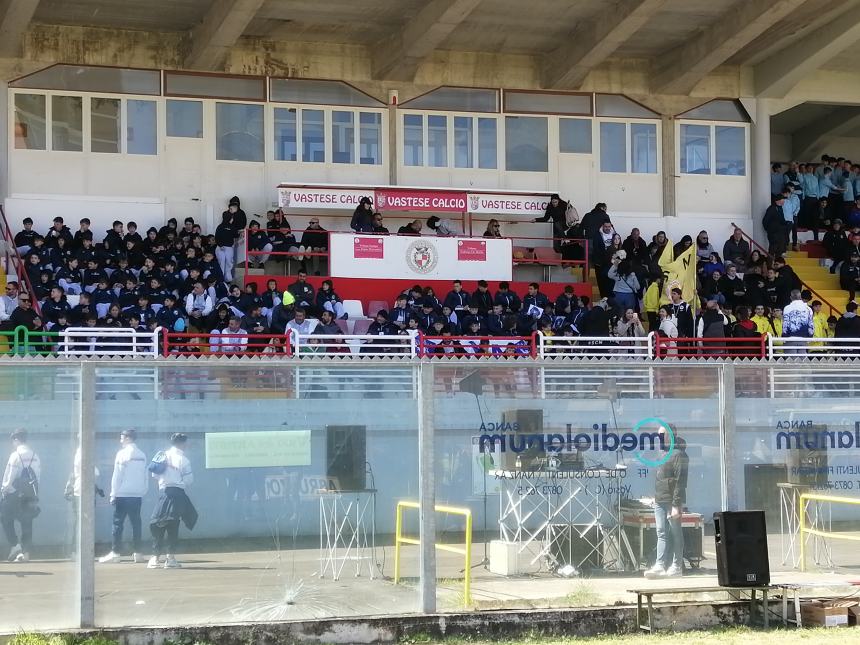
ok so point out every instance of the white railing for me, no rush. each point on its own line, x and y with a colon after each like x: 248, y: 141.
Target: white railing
x: 789, y: 347
x: 108, y: 341
x: 334, y: 345
x: 596, y: 346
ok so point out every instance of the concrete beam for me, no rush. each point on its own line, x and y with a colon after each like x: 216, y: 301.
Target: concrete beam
x: 17, y: 15
x: 683, y: 67
x: 595, y: 40
x: 777, y: 75
x: 213, y: 38
x: 813, y: 138
x: 398, y: 59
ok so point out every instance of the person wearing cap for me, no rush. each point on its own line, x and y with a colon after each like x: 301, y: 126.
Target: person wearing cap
x: 362, y: 217
x: 17, y: 504
x: 128, y: 486
x: 556, y: 211
x: 173, y: 504
x: 258, y: 241
x: 57, y: 231
x: 24, y: 239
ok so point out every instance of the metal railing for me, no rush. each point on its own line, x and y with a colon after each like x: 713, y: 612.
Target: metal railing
x: 596, y: 346
x: 712, y: 347
x: 111, y: 341
x: 333, y: 345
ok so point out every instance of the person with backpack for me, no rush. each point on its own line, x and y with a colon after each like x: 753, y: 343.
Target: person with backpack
x: 172, y: 469
x: 19, y: 496
x: 127, y: 487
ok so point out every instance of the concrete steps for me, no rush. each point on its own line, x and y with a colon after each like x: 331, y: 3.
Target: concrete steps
x: 818, y: 277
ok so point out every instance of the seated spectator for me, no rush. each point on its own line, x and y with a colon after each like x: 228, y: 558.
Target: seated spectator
x: 23, y: 315
x: 55, y: 306
x: 401, y: 313
x: 457, y: 299
x: 327, y: 299
x: 258, y: 240
x: 430, y: 294
x: 712, y: 288
x: 737, y: 250
x: 300, y: 324
x: 169, y: 313
x: 496, y: 321
x: 378, y: 227
x: 412, y: 228
x: 482, y: 298
x: 199, y: 305
x: 57, y: 231
x: 230, y: 340
x: 282, y: 314
x: 713, y: 263
x: 69, y: 277
x: 302, y: 291
x: 494, y: 229
x: 283, y: 241
x: 315, y: 242
x: 685, y: 243
x: 703, y: 247
x: 427, y: 316
x: 24, y: 238
x: 443, y: 227
x: 327, y: 324
x: 757, y: 260
x: 509, y: 300
x: 452, y: 319
x: 534, y: 300
x: 733, y: 287
x: 254, y: 322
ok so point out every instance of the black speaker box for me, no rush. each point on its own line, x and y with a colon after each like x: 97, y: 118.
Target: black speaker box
x: 346, y: 456
x: 741, y: 543
x: 576, y: 544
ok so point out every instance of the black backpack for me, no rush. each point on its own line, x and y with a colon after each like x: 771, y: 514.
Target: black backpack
x: 26, y: 484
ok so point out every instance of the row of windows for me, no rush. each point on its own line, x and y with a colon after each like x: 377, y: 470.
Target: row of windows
x: 299, y: 134
x: 313, y: 135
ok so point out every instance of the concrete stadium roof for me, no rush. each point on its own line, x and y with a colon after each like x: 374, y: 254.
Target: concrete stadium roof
x: 680, y: 41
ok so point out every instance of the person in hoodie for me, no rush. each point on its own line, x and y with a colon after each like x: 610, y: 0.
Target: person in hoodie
x: 24, y: 238
x: 401, y: 313
x: 238, y: 218
x: 151, y: 242
x: 69, y: 277
x: 57, y: 231
x: 362, y: 217
x: 169, y: 313
x: 55, y: 306
x: 443, y: 227
x: 685, y: 243
x: 132, y: 235
x: 168, y: 228
x: 114, y: 236
x: 225, y: 239
x: 848, y: 326
x: 129, y: 484
x: 849, y: 275
x: 258, y: 241
x: 482, y: 298
x: 556, y: 212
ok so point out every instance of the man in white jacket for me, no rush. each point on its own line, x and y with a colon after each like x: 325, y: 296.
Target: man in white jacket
x: 19, y: 505
x: 128, y: 485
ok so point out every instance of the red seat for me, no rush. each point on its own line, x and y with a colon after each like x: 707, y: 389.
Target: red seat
x: 546, y: 255
x: 375, y: 306
x: 344, y: 325
x: 361, y: 326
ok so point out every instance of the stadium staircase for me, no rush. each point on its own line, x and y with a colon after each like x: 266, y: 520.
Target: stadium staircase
x: 809, y: 264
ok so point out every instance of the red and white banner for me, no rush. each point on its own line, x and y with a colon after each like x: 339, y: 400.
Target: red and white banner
x: 327, y: 198
x: 430, y: 257
x: 533, y: 205
x: 420, y: 200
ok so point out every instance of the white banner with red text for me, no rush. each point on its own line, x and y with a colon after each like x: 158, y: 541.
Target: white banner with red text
x: 433, y: 258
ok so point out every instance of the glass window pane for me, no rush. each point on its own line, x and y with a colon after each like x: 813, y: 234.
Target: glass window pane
x: 619, y: 106
x: 413, y: 140
x: 457, y: 99
x: 548, y: 103
x: 215, y: 86
x: 142, y: 126
x: 185, y: 119
x: 285, y: 134
x: 719, y: 110
x: 67, y: 118
x: 370, y: 138
x: 239, y: 132
x: 462, y: 141
x: 342, y: 137
x: 643, y: 147
x: 574, y: 135
x: 313, y: 136
x: 526, y: 143
x: 104, y: 124
x: 613, y: 147
x: 730, y: 149
x: 696, y: 149
x: 437, y: 141
x: 80, y: 78
x: 488, y: 146
x: 30, y: 122
x: 298, y: 90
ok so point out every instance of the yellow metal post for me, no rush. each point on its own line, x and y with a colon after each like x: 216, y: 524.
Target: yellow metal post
x: 398, y: 524
x: 802, y: 531
x: 467, y: 593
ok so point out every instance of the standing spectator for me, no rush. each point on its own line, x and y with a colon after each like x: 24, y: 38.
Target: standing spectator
x: 127, y: 488
x: 712, y: 324
x: 737, y: 250
x: 849, y: 276
x: 19, y: 496
x: 777, y: 180
x: 225, y: 238
x: 797, y: 322
x: 775, y: 226
x: 636, y: 248
x: 362, y: 217
x: 556, y: 211
x: 848, y: 326
x: 315, y: 241
x: 626, y: 284
x: 601, y: 243
x: 629, y: 325
x: 593, y: 220
x: 682, y: 313
x: 791, y: 211
x: 172, y: 469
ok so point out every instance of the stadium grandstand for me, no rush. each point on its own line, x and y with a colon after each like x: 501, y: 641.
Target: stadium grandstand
x: 232, y: 229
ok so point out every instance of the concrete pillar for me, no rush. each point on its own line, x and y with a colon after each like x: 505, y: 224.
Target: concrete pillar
x: 393, y: 156
x: 729, y: 486
x: 426, y: 490
x: 86, y: 555
x: 668, y: 147
x: 761, y: 168
x: 4, y: 140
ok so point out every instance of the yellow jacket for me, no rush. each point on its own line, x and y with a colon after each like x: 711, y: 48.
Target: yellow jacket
x: 652, y: 298
x: 821, y: 329
x: 762, y: 324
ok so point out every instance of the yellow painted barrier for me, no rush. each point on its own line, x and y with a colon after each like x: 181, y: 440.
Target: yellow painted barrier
x: 467, y: 551
x: 814, y: 497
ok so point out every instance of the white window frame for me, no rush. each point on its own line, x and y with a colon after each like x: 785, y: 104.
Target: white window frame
x: 86, y: 125
x: 327, y: 129
x: 597, y: 150
x: 713, y: 125
x: 449, y: 116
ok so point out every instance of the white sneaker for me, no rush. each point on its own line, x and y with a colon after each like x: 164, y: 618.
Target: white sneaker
x: 153, y: 562
x: 657, y: 571
x: 137, y: 558
x: 15, y: 552
x: 23, y: 557
x: 674, y: 572
x: 110, y: 558
x: 171, y: 563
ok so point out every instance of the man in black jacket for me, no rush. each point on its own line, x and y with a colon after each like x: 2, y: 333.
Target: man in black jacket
x: 669, y: 498
x: 848, y: 325
x: 775, y: 226
x: 593, y: 220
x: 556, y: 211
